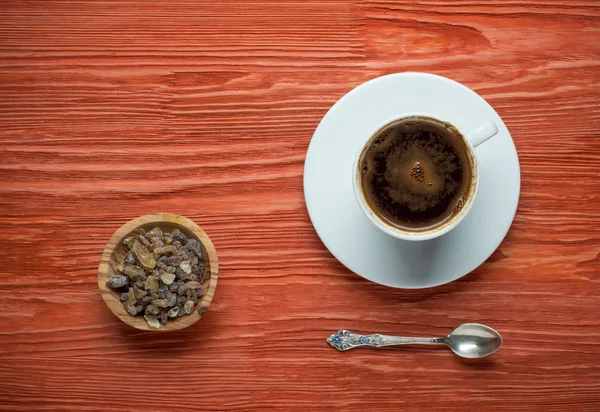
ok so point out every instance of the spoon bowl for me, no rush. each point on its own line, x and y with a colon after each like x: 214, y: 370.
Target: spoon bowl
x: 472, y: 340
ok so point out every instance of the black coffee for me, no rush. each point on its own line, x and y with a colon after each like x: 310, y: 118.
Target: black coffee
x: 416, y: 175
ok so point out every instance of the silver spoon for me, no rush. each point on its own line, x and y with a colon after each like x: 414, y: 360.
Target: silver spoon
x: 469, y: 340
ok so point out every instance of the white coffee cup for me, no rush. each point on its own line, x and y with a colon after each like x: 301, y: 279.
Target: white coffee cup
x: 471, y: 140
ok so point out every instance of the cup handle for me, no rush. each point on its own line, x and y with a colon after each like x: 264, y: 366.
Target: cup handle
x: 482, y: 133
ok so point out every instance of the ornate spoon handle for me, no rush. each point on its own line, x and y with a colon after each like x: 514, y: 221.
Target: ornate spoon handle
x: 344, y: 340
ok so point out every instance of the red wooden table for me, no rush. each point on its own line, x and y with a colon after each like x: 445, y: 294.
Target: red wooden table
x: 110, y: 110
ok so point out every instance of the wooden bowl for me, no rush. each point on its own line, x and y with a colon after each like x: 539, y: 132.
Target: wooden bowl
x: 115, y: 251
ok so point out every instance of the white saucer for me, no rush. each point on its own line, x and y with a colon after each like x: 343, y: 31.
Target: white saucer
x: 349, y: 234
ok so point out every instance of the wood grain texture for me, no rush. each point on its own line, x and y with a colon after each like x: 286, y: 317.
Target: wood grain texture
x: 113, y: 109
x: 115, y: 251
